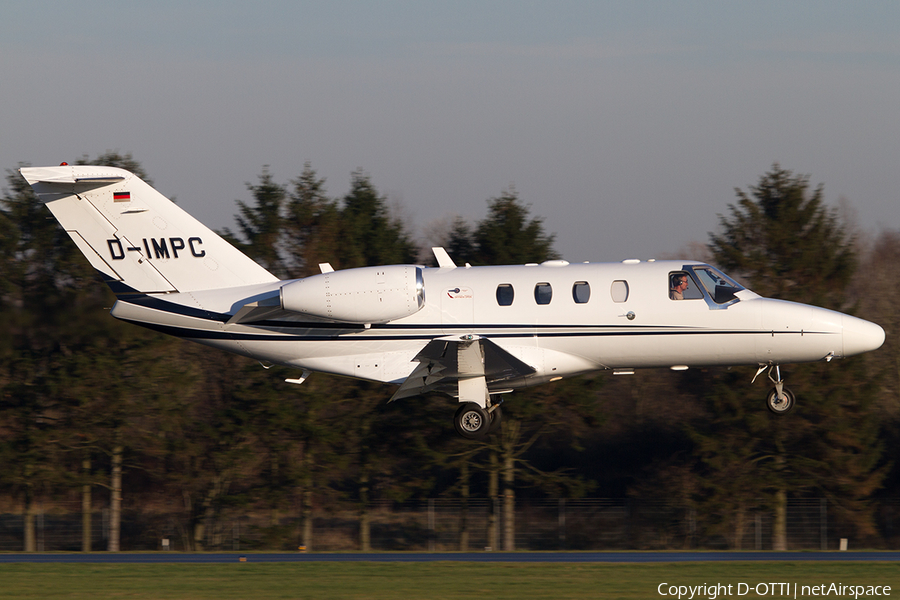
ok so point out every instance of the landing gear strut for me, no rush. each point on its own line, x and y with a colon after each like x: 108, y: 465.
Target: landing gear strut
x: 496, y: 418
x: 780, y: 399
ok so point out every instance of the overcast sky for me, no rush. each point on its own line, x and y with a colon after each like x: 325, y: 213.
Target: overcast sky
x: 626, y: 126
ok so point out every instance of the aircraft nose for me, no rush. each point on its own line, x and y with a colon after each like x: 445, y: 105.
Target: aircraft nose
x: 860, y: 335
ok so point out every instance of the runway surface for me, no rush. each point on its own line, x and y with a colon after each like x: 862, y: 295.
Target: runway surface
x: 510, y: 557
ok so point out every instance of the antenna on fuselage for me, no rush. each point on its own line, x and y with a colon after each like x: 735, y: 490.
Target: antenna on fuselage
x: 443, y: 259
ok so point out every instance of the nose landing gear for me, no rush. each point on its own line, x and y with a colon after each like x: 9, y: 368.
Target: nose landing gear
x: 780, y: 400
x: 782, y: 403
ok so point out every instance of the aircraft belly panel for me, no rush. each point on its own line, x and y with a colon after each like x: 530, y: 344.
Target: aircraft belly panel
x: 371, y: 360
x: 388, y: 367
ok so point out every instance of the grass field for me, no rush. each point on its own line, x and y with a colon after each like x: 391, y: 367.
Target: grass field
x: 451, y: 580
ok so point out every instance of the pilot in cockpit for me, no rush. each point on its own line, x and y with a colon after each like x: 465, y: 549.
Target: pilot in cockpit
x: 679, y: 284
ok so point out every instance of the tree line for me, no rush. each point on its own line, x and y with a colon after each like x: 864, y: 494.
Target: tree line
x: 114, y: 414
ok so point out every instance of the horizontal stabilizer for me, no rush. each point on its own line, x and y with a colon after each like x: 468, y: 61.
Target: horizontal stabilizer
x: 71, y: 175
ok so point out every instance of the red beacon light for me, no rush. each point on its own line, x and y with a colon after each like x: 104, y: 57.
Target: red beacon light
x: 64, y: 164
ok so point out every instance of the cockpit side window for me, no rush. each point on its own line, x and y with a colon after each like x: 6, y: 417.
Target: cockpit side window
x: 683, y: 287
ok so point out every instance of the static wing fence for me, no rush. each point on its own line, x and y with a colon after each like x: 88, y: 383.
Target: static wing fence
x: 451, y: 525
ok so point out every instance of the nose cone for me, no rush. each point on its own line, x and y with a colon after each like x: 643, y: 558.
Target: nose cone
x: 861, y: 336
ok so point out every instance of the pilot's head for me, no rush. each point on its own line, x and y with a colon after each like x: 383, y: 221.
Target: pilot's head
x: 679, y: 280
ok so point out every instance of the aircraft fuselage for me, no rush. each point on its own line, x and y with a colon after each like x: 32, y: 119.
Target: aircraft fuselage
x: 591, y: 316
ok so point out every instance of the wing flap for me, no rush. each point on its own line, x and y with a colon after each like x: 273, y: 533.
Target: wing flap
x: 446, y: 362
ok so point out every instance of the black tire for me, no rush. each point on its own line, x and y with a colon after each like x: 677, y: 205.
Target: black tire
x: 496, y: 419
x: 471, y: 421
x: 784, y: 406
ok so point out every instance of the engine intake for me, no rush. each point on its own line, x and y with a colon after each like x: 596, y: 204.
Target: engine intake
x: 361, y: 296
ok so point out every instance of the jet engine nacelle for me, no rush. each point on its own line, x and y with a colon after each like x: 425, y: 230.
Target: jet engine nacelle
x: 360, y: 296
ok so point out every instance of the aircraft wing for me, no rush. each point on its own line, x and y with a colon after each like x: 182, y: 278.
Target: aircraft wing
x: 445, y: 364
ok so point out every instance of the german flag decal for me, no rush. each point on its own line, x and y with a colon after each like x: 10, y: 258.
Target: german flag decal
x: 121, y: 196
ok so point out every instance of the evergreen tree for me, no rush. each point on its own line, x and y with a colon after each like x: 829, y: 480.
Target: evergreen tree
x: 507, y: 237
x: 312, y: 225
x: 370, y: 235
x: 874, y: 290
x: 461, y: 246
x: 210, y: 453
x: 786, y: 243
x: 68, y: 386
x: 262, y: 224
x: 48, y: 298
x: 9, y: 235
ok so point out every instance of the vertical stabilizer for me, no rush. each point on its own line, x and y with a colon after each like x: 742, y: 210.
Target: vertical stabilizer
x: 136, y: 238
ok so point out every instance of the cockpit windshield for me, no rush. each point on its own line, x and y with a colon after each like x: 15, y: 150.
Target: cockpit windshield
x: 720, y: 287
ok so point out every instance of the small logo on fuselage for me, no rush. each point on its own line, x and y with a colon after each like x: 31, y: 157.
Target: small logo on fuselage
x: 460, y: 293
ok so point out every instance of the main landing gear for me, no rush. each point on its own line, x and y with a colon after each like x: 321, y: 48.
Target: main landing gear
x: 780, y: 399
x: 475, y: 423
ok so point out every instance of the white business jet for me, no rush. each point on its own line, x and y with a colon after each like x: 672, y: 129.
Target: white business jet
x: 471, y: 332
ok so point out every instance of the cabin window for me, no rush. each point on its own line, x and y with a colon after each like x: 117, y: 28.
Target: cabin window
x: 505, y: 294
x: 543, y: 293
x: 581, y: 292
x: 683, y: 287
x: 619, y: 290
